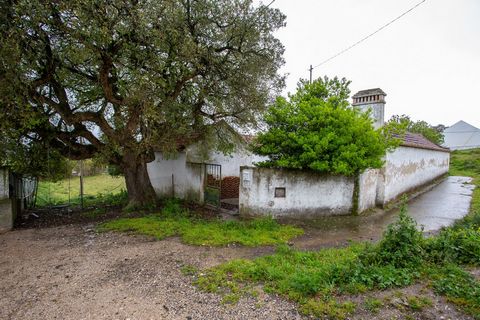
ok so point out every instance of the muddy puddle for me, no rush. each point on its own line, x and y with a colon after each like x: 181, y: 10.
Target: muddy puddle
x: 439, y: 207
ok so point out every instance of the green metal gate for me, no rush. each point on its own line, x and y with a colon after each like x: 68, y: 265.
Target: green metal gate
x: 213, y: 185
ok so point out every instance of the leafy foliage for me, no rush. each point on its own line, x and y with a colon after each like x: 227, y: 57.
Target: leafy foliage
x: 122, y: 78
x: 402, y: 245
x: 316, y: 129
x: 459, y: 286
x: 460, y: 245
x: 428, y: 131
x: 33, y: 159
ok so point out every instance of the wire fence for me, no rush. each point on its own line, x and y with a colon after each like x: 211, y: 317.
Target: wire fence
x: 81, y: 191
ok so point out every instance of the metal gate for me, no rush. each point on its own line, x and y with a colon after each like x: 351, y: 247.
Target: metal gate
x: 213, y: 185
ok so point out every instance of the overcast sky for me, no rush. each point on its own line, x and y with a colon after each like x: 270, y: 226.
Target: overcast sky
x: 428, y: 62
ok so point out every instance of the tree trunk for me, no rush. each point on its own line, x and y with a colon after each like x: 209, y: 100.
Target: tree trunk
x: 139, y: 187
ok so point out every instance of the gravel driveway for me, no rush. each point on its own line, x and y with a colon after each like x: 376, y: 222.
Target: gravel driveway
x: 71, y: 272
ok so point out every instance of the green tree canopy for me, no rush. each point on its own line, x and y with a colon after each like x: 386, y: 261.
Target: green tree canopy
x: 124, y: 78
x: 33, y: 159
x: 317, y: 129
x: 422, y: 127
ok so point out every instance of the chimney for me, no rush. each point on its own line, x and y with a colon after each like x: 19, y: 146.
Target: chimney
x: 374, y: 100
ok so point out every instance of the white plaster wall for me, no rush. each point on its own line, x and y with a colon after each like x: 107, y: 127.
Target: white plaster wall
x: 3, y: 184
x: 407, y: 168
x: 187, y: 182
x: 368, y: 189
x: 231, y: 163
x: 307, y: 194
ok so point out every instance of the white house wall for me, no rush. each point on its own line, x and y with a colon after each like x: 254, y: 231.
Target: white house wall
x: 176, y: 177
x: 231, y: 163
x: 407, y: 168
x: 307, y: 194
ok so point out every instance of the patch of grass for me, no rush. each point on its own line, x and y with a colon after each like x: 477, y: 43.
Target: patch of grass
x: 314, y: 279
x: 189, y: 270
x: 459, y: 287
x: 467, y: 163
x: 418, y: 303
x: 373, y: 305
x: 331, y: 308
x: 101, y: 188
x: 174, y: 220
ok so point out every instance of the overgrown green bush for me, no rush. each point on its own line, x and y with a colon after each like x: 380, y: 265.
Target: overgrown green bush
x: 402, y: 245
x: 460, y: 246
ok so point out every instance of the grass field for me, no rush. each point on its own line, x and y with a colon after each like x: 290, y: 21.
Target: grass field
x: 63, y: 191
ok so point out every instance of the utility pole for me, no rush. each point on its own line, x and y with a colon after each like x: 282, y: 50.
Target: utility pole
x: 311, y: 70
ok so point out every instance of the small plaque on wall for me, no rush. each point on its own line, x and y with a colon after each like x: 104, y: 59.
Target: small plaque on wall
x: 280, y: 193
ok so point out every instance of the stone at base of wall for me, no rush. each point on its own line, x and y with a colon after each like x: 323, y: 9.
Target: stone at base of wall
x: 413, y: 193
x: 6, y: 216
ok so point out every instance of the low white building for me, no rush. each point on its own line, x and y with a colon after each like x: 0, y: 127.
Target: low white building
x: 192, y: 175
x: 234, y: 180
x: 461, y: 136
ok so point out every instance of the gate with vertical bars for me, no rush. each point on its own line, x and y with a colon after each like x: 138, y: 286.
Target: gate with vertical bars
x: 213, y: 185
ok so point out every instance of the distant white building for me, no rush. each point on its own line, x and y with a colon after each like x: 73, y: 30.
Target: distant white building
x: 461, y: 136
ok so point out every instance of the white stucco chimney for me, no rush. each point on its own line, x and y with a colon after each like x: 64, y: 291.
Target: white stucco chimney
x: 374, y: 100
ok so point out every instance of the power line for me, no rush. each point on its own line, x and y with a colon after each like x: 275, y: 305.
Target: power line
x: 364, y: 38
x: 270, y: 3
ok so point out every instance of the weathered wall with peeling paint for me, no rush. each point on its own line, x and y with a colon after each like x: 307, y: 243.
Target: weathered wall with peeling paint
x: 408, y: 168
x: 307, y: 194
x: 175, y: 177
x: 368, y: 189
x: 188, y: 173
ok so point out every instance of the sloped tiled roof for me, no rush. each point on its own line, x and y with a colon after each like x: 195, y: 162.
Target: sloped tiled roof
x: 416, y: 140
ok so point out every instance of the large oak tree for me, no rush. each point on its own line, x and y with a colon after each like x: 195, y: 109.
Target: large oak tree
x: 124, y: 78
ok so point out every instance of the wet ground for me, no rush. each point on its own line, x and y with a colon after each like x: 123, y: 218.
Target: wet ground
x: 438, y: 207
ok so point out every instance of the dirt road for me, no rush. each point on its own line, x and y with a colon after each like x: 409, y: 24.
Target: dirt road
x: 71, y: 272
